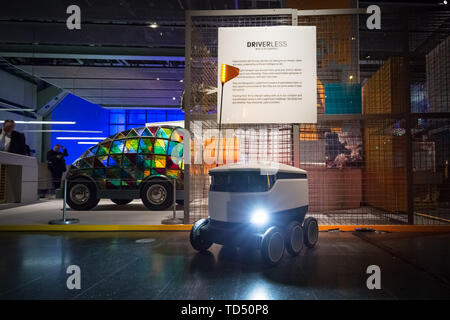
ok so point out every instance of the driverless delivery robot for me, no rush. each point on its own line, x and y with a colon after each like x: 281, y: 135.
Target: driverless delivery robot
x: 259, y: 205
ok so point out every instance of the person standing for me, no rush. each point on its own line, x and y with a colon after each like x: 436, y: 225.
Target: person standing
x: 11, y: 140
x: 57, y: 164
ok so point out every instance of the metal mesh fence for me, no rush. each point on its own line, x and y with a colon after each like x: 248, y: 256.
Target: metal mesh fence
x: 379, y: 153
x: 431, y: 183
x: 337, y: 59
x: 240, y: 142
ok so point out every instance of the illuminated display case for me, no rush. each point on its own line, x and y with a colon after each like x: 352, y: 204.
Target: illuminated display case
x: 136, y: 163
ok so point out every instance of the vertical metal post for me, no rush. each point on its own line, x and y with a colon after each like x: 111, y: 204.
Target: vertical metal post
x: 295, y: 127
x: 64, y: 220
x: 406, y: 101
x: 174, y: 202
x: 296, y: 144
x: 65, y: 198
x: 174, y: 219
x: 187, y: 115
x: 220, y: 126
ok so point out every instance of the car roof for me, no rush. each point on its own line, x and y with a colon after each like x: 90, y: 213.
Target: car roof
x: 263, y: 166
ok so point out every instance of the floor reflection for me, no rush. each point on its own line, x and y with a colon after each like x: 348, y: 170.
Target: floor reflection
x: 115, y: 266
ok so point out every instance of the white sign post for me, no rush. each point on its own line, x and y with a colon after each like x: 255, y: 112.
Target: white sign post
x: 277, y: 81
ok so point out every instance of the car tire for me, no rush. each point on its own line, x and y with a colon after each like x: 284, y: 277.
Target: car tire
x: 294, y: 238
x: 272, y: 246
x: 195, y: 237
x: 157, y: 195
x: 310, y: 232
x: 121, y: 202
x: 81, y: 195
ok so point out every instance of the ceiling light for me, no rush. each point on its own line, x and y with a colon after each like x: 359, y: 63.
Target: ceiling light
x: 173, y: 98
x: 17, y: 109
x: 350, y: 77
x: 80, y: 138
x: 181, y: 80
x: 43, y: 122
x: 87, y: 142
x: 157, y: 79
x: 153, y: 25
x: 72, y: 131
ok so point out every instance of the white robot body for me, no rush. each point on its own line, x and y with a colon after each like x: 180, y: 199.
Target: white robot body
x: 289, y: 191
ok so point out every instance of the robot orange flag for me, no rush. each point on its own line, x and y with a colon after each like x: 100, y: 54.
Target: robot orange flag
x: 228, y: 72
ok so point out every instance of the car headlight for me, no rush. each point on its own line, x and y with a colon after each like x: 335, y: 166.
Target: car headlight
x: 259, y: 216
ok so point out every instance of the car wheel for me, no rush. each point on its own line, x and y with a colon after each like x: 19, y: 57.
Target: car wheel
x: 81, y: 195
x: 157, y: 195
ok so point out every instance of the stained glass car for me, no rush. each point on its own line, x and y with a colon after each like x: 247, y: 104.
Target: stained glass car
x: 137, y: 163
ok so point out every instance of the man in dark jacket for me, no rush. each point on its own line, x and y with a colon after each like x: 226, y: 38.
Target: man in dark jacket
x: 57, y: 164
x: 10, y: 140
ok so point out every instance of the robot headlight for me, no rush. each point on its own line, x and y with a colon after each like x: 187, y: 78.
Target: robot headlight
x: 259, y: 217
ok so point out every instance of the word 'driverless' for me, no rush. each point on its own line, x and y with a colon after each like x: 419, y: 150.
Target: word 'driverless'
x: 266, y: 44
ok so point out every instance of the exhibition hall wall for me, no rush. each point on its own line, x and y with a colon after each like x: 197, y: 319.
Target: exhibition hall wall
x: 105, y: 122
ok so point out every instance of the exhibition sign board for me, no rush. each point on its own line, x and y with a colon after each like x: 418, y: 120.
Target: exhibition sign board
x: 277, y: 81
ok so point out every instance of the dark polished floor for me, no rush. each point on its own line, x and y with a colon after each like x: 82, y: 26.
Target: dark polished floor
x: 162, y: 265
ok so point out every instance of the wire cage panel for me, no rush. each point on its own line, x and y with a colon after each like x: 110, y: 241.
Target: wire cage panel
x: 372, y: 157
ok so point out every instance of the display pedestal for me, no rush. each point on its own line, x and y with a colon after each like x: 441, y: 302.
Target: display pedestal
x: 21, y: 179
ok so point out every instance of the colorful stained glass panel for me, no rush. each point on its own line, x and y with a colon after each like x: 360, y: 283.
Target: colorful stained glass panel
x: 117, y: 146
x: 173, y: 173
x: 157, y: 172
x: 131, y: 145
x: 146, y: 145
x: 152, y: 130
x: 132, y: 133
x: 103, y: 148
x: 115, y: 160
x: 129, y: 159
x: 164, y: 133
x: 177, y: 135
x: 142, y: 174
x: 144, y: 161
x: 159, y: 162
x: 160, y: 146
x: 175, y: 149
x: 94, y: 149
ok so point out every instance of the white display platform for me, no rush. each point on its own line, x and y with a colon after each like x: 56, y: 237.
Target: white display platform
x: 105, y: 213
x: 22, y: 177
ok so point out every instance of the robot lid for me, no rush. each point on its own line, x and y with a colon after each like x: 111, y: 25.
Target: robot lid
x: 264, y: 167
